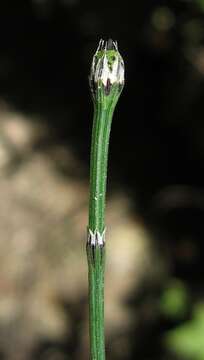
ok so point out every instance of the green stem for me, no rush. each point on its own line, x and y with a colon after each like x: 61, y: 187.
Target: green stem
x: 96, y: 244
x: 106, y: 81
x: 96, y: 263
x: 98, y: 167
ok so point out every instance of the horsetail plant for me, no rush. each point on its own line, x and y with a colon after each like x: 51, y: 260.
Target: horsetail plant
x: 106, y: 82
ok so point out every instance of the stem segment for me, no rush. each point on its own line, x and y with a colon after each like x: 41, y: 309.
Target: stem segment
x: 96, y: 238
x: 98, y: 167
x: 106, y: 80
x: 96, y: 264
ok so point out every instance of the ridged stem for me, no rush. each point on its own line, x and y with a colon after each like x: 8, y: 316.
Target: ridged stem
x: 96, y: 245
x: 106, y: 81
x: 98, y: 167
x: 96, y: 264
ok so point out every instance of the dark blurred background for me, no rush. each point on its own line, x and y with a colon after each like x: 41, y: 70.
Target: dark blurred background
x: 155, y: 207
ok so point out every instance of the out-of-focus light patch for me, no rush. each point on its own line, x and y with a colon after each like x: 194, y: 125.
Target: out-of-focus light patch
x: 186, y: 340
x: 4, y: 156
x: 196, y: 57
x: 178, y: 196
x: 8, y: 308
x: 199, y: 3
x: 174, y: 301
x: 193, y: 31
x: 17, y: 130
x: 163, y: 19
x: 128, y: 263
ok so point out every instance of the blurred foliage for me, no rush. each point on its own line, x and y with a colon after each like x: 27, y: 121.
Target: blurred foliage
x: 174, y: 300
x: 187, y: 339
x: 163, y: 18
x: 200, y: 4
